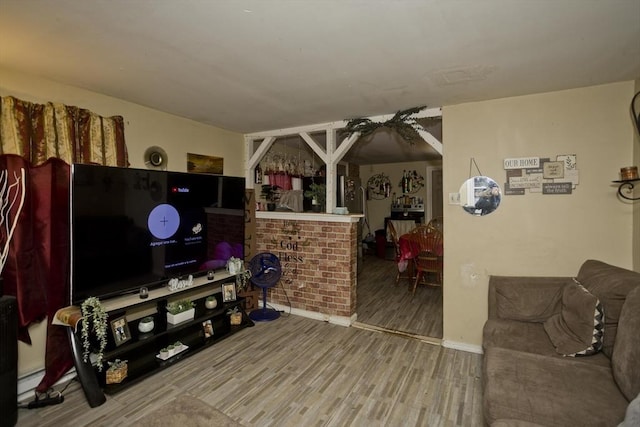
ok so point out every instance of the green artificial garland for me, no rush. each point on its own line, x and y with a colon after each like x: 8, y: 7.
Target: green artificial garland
x: 402, y: 122
x: 95, y: 316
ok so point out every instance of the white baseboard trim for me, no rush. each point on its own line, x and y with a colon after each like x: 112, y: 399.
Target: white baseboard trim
x: 469, y: 348
x: 28, y: 383
x: 336, y: 320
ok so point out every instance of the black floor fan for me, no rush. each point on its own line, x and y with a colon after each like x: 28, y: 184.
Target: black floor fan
x: 265, y: 273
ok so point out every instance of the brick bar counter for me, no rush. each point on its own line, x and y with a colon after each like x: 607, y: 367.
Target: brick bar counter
x: 318, y: 253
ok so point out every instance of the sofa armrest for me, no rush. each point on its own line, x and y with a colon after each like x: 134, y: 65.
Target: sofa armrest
x: 529, y: 299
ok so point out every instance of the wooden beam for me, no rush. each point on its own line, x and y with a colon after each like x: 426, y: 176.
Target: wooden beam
x: 431, y: 140
x: 315, y: 147
x: 347, y: 143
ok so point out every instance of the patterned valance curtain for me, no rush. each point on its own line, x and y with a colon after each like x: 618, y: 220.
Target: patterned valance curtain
x: 38, y: 132
x: 44, y: 140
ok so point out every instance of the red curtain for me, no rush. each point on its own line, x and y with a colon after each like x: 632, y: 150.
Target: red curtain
x: 44, y: 139
x: 37, y: 268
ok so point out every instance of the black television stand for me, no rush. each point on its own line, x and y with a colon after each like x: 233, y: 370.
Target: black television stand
x: 142, y: 350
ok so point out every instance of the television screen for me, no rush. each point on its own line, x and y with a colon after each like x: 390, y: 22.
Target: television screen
x: 133, y: 227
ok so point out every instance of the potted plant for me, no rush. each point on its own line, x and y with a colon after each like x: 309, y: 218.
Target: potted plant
x: 242, y: 280
x: 211, y: 302
x: 94, y: 319
x: 171, y: 349
x: 317, y: 193
x: 235, y: 316
x: 271, y: 194
x: 164, y: 353
x: 118, y: 370
x: 180, y: 311
x: 146, y: 324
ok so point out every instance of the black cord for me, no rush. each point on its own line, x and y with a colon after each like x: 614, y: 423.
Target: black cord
x: 286, y: 296
x: 49, y: 395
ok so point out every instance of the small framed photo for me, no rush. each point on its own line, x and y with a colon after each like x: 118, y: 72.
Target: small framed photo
x: 207, y: 328
x: 229, y: 292
x: 120, y: 330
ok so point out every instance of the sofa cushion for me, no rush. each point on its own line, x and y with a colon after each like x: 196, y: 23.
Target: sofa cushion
x: 610, y: 285
x: 552, y: 391
x: 528, y: 337
x: 533, y: 301
x: 577, y: 330
x: 625, y: 361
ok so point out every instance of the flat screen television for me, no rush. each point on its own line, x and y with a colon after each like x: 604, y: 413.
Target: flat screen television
x: 134, y: 227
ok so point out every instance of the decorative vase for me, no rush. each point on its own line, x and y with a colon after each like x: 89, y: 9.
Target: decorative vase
x: 211, y: 303
x: 234, y: 265
x: 174, y: 319
x: 146, y: 325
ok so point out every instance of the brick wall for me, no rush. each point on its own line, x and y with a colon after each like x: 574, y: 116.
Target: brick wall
x: 318, y: 260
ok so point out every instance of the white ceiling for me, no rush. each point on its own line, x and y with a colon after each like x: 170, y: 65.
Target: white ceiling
x: 253, y: 65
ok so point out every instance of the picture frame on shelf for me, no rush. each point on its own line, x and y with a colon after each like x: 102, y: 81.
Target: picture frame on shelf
x: 207, y: 328
x: 229, y: 292
x: 120, y: 330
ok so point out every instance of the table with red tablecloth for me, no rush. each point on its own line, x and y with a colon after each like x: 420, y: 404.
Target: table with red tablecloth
x: 410, y: 248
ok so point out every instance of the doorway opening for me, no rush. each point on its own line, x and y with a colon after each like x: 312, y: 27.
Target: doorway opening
x: 381, y: 303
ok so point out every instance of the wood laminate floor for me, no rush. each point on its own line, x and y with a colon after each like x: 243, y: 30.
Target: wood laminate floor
x: 300, y: 372
x: 382, y: 304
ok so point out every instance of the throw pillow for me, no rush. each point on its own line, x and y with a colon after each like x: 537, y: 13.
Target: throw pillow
x: 579, y: 327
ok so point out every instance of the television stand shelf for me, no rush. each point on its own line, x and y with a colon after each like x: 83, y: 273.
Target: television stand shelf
x: 140, y: 350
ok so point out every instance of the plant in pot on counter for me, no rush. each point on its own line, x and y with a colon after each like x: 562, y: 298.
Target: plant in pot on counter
x: 177, y: 311
x: 317, y: 193
x: 271, y: 193
x: 94, y: 319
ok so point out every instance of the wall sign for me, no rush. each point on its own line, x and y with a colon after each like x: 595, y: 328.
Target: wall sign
x: 522, y: 162
x: 541, y: 175
x: 289, y: 253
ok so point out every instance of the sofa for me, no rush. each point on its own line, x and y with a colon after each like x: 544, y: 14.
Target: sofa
x: 563, y: 351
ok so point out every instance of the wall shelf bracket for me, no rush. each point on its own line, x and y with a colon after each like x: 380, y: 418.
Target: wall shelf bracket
x: 628, y: 185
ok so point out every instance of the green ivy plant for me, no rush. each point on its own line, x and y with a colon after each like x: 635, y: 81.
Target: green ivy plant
x: 402, y: 122
x: 94, y: 319
x: 242, y: 280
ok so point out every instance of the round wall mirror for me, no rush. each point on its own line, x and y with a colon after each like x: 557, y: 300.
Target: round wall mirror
x: 480, y: 195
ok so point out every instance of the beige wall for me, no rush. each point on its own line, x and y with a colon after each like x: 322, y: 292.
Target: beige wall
x: 534, y: 234
x: 636, y: 205
x: 144, y: 127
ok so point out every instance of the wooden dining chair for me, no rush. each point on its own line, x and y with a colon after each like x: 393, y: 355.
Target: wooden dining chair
x: 437, y: 223
x: 408, y: 272
x: 429, y: 262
